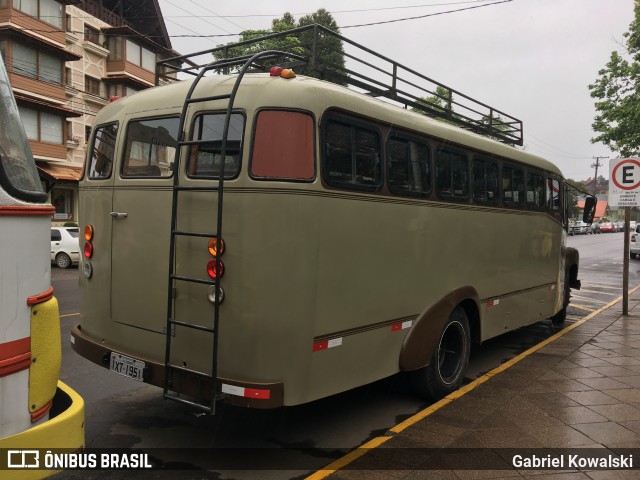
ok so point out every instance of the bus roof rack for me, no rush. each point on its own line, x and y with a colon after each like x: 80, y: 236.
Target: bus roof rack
x: 367, y: 71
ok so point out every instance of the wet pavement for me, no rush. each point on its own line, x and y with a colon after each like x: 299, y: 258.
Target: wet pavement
x: 572, y: 401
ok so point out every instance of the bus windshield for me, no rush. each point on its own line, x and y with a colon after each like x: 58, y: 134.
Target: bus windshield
x: 18, y: 173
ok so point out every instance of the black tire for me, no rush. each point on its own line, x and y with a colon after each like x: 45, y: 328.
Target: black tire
x: 63, y: 260
x: 445, y: 373
x: 632, y: 255
x: 561, y: 316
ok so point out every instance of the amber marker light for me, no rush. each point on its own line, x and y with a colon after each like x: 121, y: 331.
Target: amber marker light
x: 88, y: 233
x: 212, y: 271
x: 287, y: 73
x: 88, y: 250
x: 214, y: 248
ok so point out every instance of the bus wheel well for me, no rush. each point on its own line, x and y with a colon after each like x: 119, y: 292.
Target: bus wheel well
x: 471, y: 309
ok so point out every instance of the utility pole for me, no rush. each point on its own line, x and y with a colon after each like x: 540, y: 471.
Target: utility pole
x: 596, y: 165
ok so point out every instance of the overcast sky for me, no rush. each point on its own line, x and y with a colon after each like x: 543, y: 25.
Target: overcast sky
x: 532, y: 59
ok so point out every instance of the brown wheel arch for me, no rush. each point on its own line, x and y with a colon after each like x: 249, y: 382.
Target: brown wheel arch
x: 421, y: 341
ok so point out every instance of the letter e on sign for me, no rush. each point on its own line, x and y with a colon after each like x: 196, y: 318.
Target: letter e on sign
x: 624, y: 187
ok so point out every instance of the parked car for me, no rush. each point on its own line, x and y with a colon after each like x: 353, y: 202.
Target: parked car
x: 634, y: 245
x: 595, y: 228
x: 607, y: 227
x: 65, y: 246
x: 579, y: 228
x: 619, y: 226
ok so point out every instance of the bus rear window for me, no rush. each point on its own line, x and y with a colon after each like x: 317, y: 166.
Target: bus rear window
x: 283, y: 146
x: 151, y: 147
x: 205, y: 159
x: 103, y: 152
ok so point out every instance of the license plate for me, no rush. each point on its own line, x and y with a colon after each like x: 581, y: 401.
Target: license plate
x: 127, y: 366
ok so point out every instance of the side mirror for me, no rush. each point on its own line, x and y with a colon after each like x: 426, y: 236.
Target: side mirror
x: 589, y: 209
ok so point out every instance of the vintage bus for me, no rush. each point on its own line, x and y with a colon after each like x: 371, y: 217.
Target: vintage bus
x: 360, y: 239
x: 36, y: 409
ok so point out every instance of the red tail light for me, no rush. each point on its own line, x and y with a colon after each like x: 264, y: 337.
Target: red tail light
x: 212, y: 271
x: 88, y: 250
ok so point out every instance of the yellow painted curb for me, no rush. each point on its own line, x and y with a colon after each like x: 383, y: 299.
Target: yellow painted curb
x: 362, y: 450
x: 348, y: 458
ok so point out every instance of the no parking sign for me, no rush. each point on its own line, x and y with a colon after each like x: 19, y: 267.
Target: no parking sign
x: 624, y: 187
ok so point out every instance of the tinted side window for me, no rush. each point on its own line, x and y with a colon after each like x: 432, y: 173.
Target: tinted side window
x: 102, y: 152
x: 535, y: 191
x: 409, y: 167
x: 485, y: 180
x: 351, y: 156
x: 205, y: 159
x: 513, y: 186
x: 452, y: 174
x: 283, y: 146
x: 150, y: 148
x: 55, y: 235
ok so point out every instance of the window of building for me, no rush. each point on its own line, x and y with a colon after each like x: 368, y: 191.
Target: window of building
x: 91, y: 34
x: 62, y: 201
x: 150, y: 147
x: 38, y: 64
x: 48, y: 11
x: 92, y: 85
x: 351, y: 155
x: 452, y: 174
x: 140, y: 56
x: 114, y: 44
x: 283, y: 146
x: 409, y: 166
x: 536, y: 199
x: 103, y: 152
x: 205, y: 159
x: 513, y: 186
x: 485, y: 180
x: 42, y: 126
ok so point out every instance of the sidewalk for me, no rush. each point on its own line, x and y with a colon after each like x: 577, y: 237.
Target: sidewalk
x: 578, y: 390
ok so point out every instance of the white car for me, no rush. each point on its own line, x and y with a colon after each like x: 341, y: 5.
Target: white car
x: 65, y: 246
x: 634, y: 245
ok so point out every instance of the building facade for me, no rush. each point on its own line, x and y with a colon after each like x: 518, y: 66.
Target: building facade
x: 66, y: 59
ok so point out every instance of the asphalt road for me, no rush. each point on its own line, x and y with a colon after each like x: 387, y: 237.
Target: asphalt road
x: 122, y: 413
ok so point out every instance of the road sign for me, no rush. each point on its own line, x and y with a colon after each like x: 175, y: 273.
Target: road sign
x: 624, y: 185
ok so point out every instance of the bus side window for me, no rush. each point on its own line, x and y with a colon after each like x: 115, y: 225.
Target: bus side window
x: 553, y: 197
x: 151, y: 147
x: 283, y: 146
x: 409, y: 167
x: 452, y: 175
x: 535, y: 191
x: 513, y: 186
x: 102, y: 152
x: 485, y: 180
x: 352, y: 156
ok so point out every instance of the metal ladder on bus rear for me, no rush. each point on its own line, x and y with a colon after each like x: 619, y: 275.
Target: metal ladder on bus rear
x: 173, y: 324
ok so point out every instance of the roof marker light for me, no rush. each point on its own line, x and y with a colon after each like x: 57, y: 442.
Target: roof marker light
x: 275, y: 71
x: 287, y: 73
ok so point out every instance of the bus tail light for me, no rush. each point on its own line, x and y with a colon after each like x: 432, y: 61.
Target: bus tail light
x: 212, y: 294
x: 213, y: 271
x: 88, y: 233
x: 88, y: 250
x: 214, y: 248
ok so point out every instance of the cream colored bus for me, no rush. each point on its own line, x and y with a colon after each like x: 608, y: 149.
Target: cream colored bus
x: 356, y: 240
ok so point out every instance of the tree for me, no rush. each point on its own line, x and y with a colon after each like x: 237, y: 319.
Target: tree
x: 329, y: 50
x: 617, y: 94
x: 441, y: 102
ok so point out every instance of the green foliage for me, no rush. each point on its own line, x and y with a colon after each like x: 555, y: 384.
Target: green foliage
x: 70, y: 224
x: 617, y: 94
x: 329, y: 50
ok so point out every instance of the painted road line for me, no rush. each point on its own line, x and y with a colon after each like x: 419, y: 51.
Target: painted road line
x: 69, y: 315
x: 589, y: 299
x: 360, y: 451
x: 604, y: 285
x: 614, y: 294
x: 580, y: 307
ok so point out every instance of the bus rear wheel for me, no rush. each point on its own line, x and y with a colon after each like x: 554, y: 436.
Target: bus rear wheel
x: 445, y: 373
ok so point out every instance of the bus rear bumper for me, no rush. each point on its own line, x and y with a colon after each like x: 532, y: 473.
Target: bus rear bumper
x: 263, y: 395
